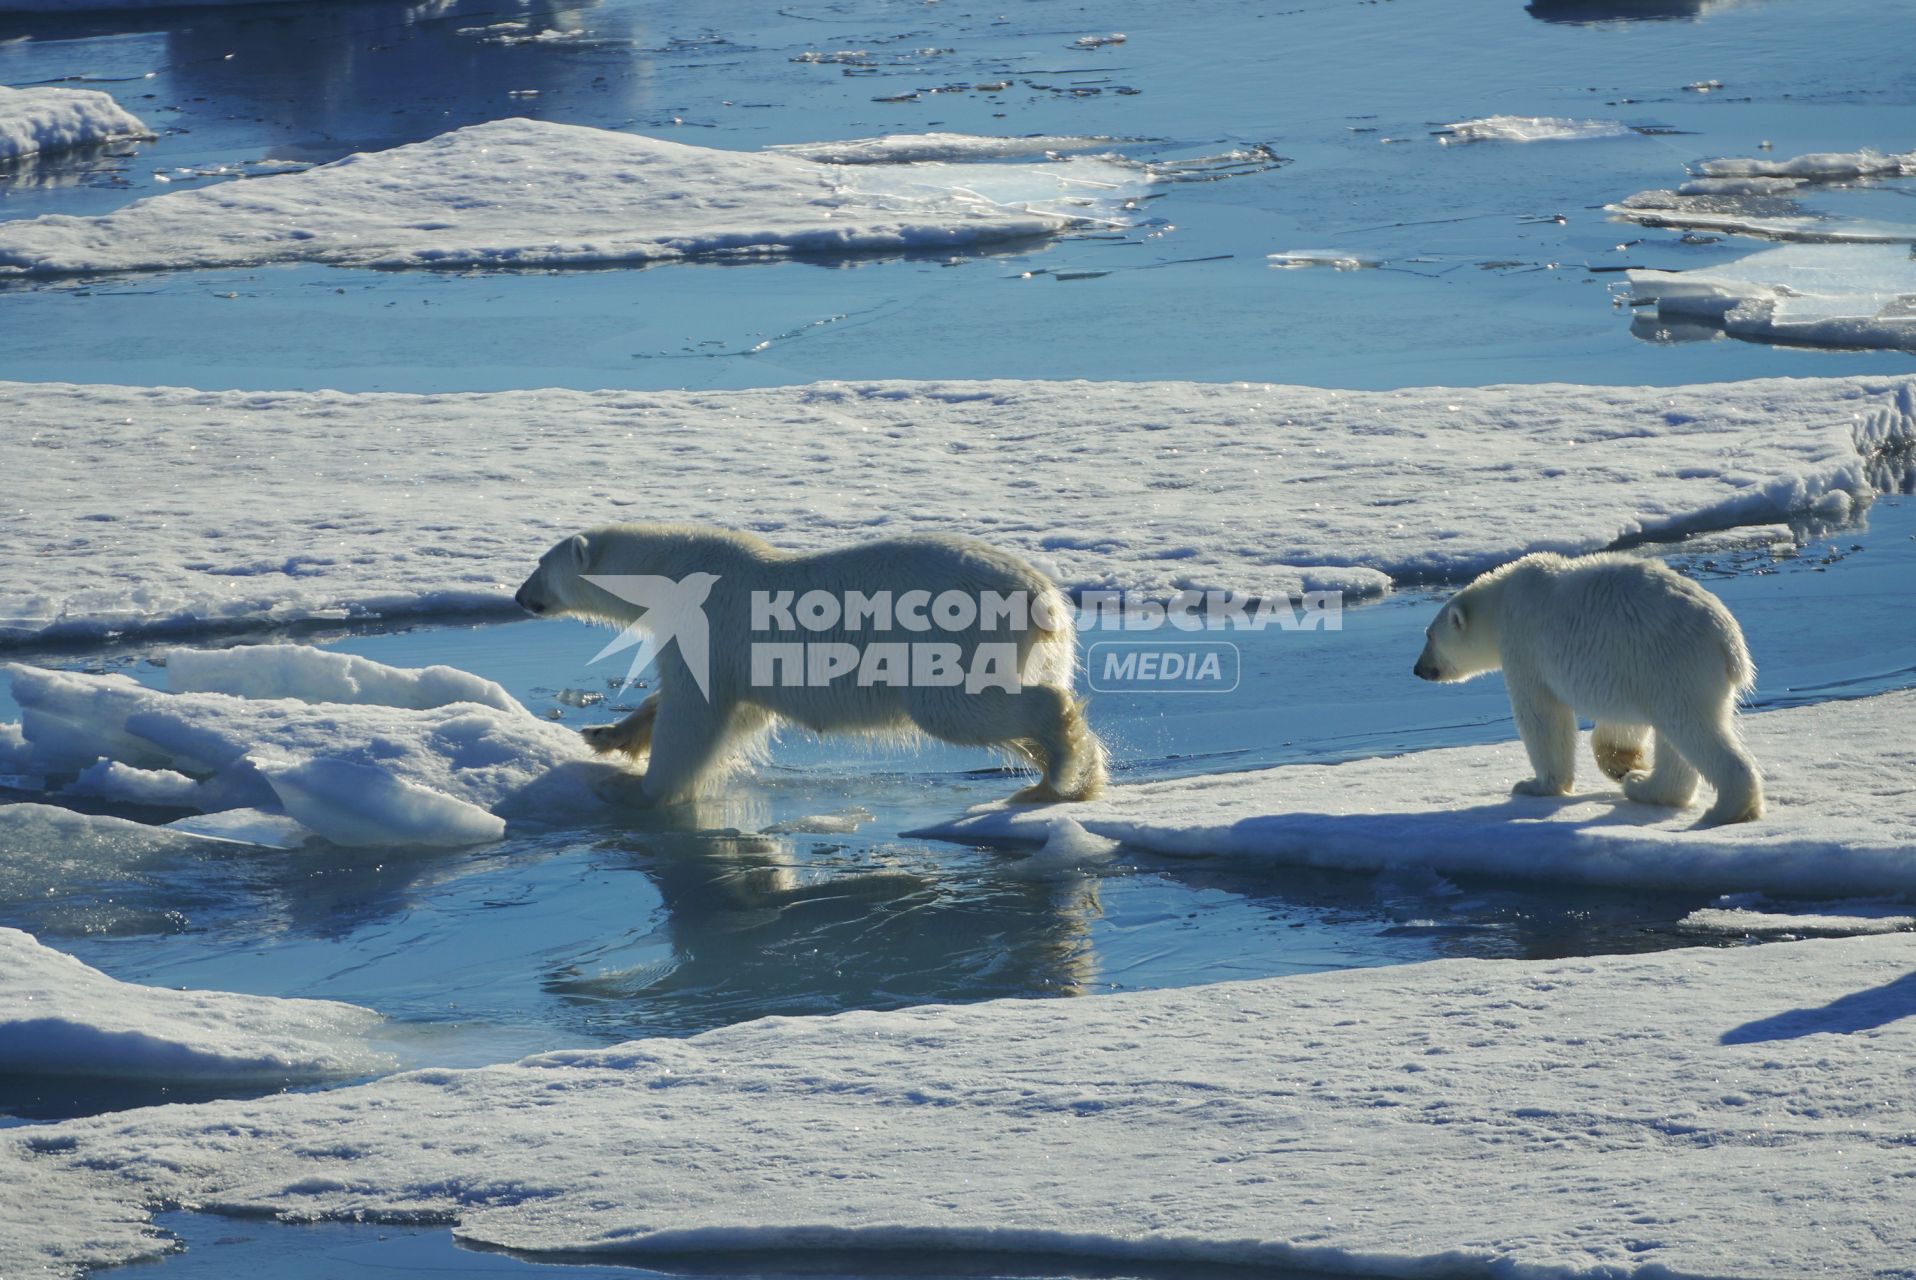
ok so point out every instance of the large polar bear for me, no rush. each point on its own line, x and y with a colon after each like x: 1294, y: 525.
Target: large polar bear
x: 873, y: 639
x: 1629, y: 643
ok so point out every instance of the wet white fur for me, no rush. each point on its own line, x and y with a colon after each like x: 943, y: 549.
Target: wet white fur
x: 1628, y: 643
x: 693, y: 742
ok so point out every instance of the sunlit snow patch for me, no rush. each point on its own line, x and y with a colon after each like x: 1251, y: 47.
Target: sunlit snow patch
x: 61, y: 1017
x: 521, y: 193
x: 1829, y: 832
x: 1854, y: 296
x: 39, y: 121
x: 1531, y: 129
x: 1418, y: 482
x: 1618, y: 1116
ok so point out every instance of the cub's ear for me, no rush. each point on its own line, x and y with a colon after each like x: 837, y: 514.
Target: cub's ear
x: 579, y: 550
x: 1457, y: 619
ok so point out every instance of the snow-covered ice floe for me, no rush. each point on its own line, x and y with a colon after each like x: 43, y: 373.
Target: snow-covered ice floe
x: 1755, y: 198
x: 908, y: 148
x: 1531, y: 129
x: 520, y: 193
x: 1820, y: 166
x: 1840, y: 779
x: 1752, y: 915
x: 39, y: 121
x: 59, y: 1017
x: 1816, y: 295
x: 1145, y: 487
x: 272, y: 760
x: 1697, y: 1112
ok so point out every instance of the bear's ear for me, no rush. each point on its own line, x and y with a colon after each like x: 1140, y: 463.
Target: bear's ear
x: 1457, y: 619
x: 579, y: 549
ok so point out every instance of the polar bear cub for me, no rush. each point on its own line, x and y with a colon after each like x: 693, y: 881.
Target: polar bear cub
x: 944, y: 636
x: 1629, y: 643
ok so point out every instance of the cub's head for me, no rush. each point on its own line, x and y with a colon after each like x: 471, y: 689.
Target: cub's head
x: 557, y: 587
x: 1461, y: 643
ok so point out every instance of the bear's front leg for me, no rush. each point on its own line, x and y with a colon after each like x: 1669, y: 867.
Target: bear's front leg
x: 632, y: 735
x: 1548, y: 728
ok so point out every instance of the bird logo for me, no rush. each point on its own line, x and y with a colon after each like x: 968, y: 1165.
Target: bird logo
x: 674, y: 613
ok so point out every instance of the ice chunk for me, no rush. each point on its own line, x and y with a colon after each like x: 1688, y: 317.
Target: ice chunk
x: 1337, y: 259
x: 1669, y: 1111
x: 478, y: 760
x: 1829, y: 832
x: 515, y: 193
x: 112, y: 780
x: 60, y: 1017
x: 1820, y: 166
x: 904, y: 148
x: 1752, y: 916
x: 37, y: 121
x: 359, y: 805
x: 1531, y: 129
x: 1861, y: 296
x: 319, y: 675
x: 245, y: 826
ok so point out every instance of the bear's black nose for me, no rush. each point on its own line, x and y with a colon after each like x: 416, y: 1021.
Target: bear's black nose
x: 519, y: 598
x: 1424, y: 671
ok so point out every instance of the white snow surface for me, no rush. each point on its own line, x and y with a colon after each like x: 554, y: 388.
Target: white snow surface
x: 1698, y: 1112
x: 1820, y: 166
x: 516, y: 193
x: 38, y: 121
x: 1532, y: 129
x: 909, y: 148
x: 355, y: 774
x: 61, y: 1017
x: 1823, y: 295
x: 282, y: 506
x: 1839, y: 778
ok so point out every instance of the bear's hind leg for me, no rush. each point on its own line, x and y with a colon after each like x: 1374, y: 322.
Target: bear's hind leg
x: 1548, y: 728
x: 1072, y: 757
x: 632, y: 735
x: 1670, y: 780
x: 1713, y: 750
x: 1619, y: 748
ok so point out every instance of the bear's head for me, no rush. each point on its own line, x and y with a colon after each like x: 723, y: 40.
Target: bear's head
x: 1460, y: 643
x: 557, y: 588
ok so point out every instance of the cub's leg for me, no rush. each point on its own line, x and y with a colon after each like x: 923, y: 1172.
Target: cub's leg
x: 1619, y: 748
x: 1714, y: 750
x: 1548, y: 728
x: 632, y: 735
x: 1670, y: 780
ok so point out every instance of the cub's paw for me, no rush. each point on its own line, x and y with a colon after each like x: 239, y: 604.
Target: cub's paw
x: 1642, y: 787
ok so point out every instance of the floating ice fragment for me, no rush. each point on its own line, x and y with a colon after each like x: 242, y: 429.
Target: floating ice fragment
x: 360, y: 805
x: 1334, y: 258
x: 1531, y: 129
